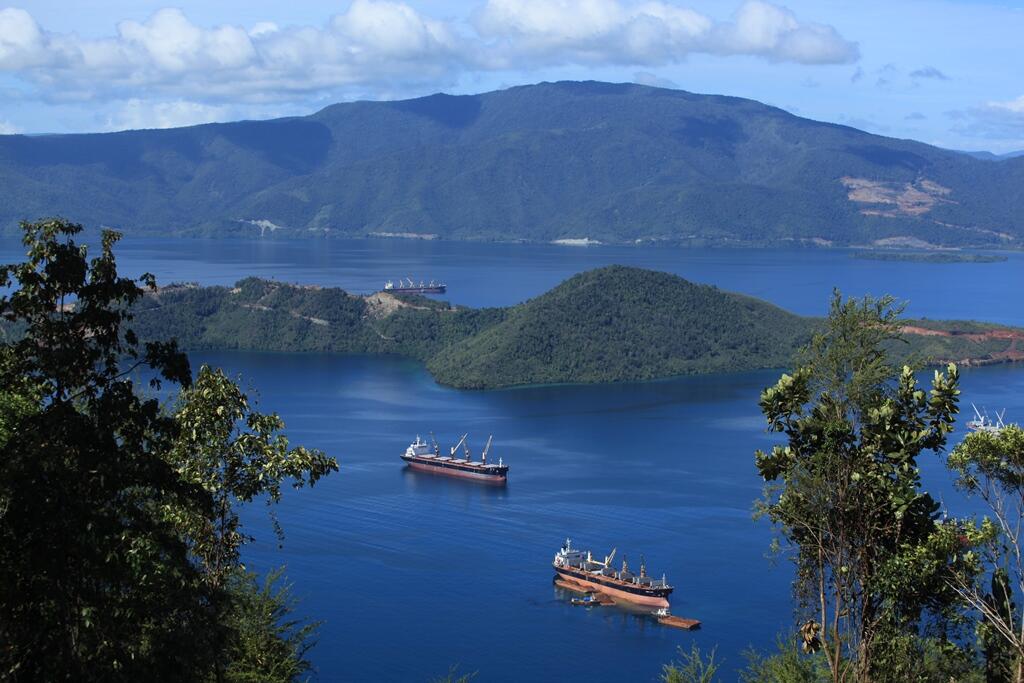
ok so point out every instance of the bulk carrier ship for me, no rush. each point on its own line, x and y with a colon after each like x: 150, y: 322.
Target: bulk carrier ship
x: 410, y: 287
x: 422, y: 456
x: 579, y: 568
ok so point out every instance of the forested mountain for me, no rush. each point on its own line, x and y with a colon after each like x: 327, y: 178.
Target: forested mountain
x: 607, y: 325
x: 612, y: 162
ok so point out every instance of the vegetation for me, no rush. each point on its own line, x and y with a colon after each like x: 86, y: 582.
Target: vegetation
x: 990, y: 466
x: 119, y: 539
x: 928, y: 257
x: 607, y: 325
x: 872, y: 560
x: 885, y: 588
x: 612, y: 162
x: 618, y: 324
x: 692, y: 667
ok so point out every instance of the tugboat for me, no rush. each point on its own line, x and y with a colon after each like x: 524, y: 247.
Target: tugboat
x: 410, y: 287
x: 579, y: 567
x: 422, y: 456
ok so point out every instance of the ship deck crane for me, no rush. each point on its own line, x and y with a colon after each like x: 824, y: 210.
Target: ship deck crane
x: 483, y: 457
x: 456, y: 447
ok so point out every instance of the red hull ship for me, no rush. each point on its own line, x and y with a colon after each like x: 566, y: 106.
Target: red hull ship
x: 426, y: 458
x: 579, y: 568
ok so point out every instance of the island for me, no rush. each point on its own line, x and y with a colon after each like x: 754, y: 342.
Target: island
x: 612, y: 324
x: 928, y: 256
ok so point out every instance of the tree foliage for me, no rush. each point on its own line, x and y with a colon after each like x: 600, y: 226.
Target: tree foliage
x: 93, y: 583
x: 691, y: 667
x: 235, y: 454
x: 990, y: 466
x: 871, y: 556
x: 269, y: 644
x: 119, y: 533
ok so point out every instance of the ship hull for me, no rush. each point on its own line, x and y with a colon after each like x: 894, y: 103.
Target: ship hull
x: 449, y: 469
x: 647, y: 597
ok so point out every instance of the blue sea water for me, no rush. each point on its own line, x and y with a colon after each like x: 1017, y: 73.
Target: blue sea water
x: 488, y: 274
x: 412, y: 573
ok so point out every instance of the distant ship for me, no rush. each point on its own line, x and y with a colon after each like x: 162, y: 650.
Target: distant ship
x: 982, y: 423
x: 578, y: 567
x: 422, y: 456
x: 409, y: 287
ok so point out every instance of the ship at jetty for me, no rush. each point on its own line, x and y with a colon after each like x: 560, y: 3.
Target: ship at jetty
x: 407, y: 286
x: 579, y: 568
x: 427, y: 457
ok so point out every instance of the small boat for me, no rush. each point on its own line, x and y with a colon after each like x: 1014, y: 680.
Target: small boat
x: 588, y: 601
x: 666, y: 619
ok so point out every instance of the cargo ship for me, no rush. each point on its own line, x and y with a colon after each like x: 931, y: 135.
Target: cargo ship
x: 579, y: 568
x: 426, y: 457
x: 409, y: 287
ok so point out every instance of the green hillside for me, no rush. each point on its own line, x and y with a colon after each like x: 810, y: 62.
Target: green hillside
x: 617, y: 324
x: 612, y: 324
x: 612, y: 162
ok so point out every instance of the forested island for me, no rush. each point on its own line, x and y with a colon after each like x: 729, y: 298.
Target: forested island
x: 611, y: 324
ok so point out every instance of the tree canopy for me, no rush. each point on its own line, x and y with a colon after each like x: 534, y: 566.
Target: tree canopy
x: 118, y: 536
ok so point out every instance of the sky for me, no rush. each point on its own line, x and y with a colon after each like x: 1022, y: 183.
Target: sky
x: 946, y: 72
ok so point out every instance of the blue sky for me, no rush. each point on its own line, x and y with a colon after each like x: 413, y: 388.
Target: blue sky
x: 947, y: 72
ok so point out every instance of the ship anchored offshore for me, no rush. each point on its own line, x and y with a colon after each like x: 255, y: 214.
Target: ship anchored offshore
x: 427, y: 457
x: 409, y: 287
x: 579, y: 568
x: 982, y: 422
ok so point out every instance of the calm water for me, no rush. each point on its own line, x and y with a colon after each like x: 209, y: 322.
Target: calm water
x: 412, y: 573
x: 502, y: 274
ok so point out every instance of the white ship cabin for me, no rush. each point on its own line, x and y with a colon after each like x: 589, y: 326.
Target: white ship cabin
x: 421, y: 449
x: 567, y: 556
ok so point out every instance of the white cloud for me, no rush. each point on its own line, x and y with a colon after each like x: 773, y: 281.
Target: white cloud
x: 654, y: 80
x: 372, y: 42
x: 1011, y: 107
x: 386, y: 45
x: 137, y: 114
x: 771, y: 31
x: 8, y: 128
x: 611, y: 31
x: 993, y: 120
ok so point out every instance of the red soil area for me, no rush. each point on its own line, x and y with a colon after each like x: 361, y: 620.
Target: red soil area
x: 1014, y: 351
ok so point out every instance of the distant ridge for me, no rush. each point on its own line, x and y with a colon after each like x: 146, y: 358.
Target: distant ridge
x: 615, y: 163
x: 989, y: 156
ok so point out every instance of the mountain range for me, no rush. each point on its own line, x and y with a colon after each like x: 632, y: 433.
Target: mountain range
x: 609, y: 162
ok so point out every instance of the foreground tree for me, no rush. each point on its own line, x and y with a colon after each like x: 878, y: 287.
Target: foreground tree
x: 236, y: 454
x: 119, y: 536
x: 990, y: 466
x: 93, y: 583
x: 871, y: 557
